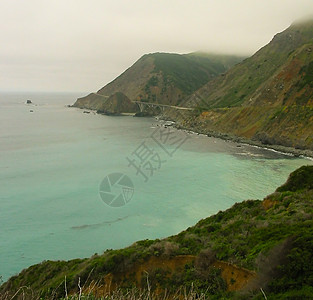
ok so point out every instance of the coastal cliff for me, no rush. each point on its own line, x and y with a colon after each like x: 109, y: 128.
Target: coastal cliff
x: 165, y: 78
x: 264, y: 99
x: 267, y: 97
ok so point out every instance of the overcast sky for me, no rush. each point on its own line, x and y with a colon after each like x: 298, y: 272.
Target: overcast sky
x: 80, y: 45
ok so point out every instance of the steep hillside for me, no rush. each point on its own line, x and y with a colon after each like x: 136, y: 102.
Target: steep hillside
x: 217, y: 64
x: 267, y: 97
x: 254, y: 247
x: 269, y: 76
x: 163, y: 78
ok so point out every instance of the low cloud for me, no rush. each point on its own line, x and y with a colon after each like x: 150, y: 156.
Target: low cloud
x: 79, y: 45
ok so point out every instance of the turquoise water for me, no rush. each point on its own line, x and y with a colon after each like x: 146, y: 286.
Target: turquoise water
x: 52, y: 161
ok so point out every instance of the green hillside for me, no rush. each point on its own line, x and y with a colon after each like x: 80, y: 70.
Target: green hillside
x: 289, y: 53
x: 179, y: 71
x: 214, y: 62
x: 252, y: 248
x: 191, y: 71
x: 165, y: 78
x: 267, y: 97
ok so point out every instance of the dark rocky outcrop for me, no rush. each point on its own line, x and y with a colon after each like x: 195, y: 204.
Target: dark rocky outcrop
x: 116, y: 104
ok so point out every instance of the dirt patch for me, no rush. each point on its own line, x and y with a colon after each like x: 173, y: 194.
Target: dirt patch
x: 268, y: 203
x: 235, y: 277
x: 171, y: 265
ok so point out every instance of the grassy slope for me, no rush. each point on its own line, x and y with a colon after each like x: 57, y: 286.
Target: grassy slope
x: 241, y: 82
x: 267, y: 97
x: 164, y: 78
x: 271, y: 238
x: 182, y: 72
x: 216, y: 63
x: 191, y: 71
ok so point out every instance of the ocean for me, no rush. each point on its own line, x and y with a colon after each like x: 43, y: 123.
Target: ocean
x: 74, y: 183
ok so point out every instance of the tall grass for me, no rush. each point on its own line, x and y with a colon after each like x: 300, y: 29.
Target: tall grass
x: 119, y: 294
x: 101, y: 292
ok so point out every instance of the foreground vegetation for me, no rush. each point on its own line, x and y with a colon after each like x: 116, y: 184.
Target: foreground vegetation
x: 255, y: 249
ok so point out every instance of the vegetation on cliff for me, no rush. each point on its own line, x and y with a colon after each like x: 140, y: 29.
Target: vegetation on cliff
x: 254, y: 248
x: 267, y: 97
x: 165, y: 78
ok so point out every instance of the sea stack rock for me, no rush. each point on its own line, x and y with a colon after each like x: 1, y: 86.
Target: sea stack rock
x: 28, y: 102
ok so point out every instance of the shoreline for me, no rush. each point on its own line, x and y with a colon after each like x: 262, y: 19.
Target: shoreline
x: 288, y: 151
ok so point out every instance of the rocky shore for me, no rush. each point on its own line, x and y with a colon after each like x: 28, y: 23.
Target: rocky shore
x: 279, y: 148
x: 182, y: 121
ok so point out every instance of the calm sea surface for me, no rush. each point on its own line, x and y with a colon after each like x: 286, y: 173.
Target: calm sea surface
x: 52, y: 161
